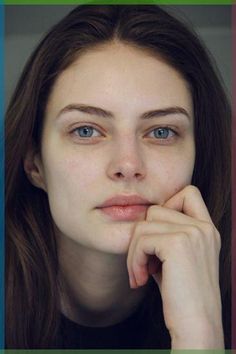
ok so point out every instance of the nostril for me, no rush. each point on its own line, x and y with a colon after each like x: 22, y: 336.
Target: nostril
x: 119, y: 174
x: 122, y: 175
x: 126, y: 170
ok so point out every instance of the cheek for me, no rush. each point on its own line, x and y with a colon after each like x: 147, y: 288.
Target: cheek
x: 71, y: 175
x: 171, y: 175
x: 73, y: 179
x: 84, y: 172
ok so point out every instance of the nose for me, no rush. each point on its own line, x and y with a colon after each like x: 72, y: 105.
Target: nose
x: 126, y: 162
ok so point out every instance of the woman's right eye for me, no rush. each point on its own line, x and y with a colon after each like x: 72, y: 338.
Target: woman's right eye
x: 86, y: 131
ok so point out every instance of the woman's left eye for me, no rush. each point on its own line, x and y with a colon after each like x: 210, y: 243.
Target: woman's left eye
x: 86, y: 131
x: 162, y: 133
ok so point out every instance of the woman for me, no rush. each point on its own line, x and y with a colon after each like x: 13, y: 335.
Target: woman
x: 118, y: 188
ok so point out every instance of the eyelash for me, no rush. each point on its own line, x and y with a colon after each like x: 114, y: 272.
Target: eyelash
x: 167, y: 129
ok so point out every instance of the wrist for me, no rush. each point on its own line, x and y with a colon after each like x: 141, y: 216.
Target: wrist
x: 198, y: 335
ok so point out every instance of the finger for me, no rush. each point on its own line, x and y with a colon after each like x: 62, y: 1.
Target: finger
x: 145, y: 248
x: 161, y: 227
x: 145, y: 229
x: 190, y: 202
x: 139, y: 261
x: 157, y: 213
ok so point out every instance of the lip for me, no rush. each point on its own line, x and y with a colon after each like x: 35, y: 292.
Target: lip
x: 125, y: 208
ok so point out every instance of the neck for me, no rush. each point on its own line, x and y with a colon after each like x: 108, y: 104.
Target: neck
x: 95, y: 287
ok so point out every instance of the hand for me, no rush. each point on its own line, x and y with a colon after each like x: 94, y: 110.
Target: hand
x: 179, y: 245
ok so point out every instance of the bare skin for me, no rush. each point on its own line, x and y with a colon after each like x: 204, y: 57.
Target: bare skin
x: 183, y: 238
x: 130, y: 151
x: 92, y: 299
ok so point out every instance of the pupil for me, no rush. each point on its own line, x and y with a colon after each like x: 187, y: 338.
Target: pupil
x: 161, y: 133
x: 85, y: 132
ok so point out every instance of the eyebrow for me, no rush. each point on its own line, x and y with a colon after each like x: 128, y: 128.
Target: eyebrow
x: 107, y: 114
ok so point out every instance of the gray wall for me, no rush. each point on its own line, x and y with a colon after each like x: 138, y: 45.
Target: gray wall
x: 25, y: 25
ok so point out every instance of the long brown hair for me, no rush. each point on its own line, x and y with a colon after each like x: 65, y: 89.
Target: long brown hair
x: 32, y: 308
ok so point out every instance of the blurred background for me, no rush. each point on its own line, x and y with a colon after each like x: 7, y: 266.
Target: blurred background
x: 25, y: 25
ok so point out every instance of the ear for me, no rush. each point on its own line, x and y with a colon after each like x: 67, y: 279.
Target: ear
x: 34, y: 168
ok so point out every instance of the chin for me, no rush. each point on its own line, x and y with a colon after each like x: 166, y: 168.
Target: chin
x: 114, y: 238
x: 109, y: 238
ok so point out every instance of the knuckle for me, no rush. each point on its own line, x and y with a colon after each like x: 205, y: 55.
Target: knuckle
x: 193, y: 189
x: 209, y: 228
x: 196, y: 231
x: 212, y: 234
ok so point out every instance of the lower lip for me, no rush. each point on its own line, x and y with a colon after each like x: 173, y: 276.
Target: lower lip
x: 125, y: 213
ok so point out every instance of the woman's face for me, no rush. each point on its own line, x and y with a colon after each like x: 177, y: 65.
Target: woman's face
x: 119, y: 122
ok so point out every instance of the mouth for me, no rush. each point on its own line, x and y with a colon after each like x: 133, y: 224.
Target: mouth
x: 125, y: 208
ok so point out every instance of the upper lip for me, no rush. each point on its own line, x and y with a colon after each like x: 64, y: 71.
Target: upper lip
x: 125, y: 200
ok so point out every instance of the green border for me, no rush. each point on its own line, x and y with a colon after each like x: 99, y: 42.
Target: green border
x: 120, y: 2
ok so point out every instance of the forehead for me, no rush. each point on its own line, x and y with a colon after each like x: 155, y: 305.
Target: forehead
x: 115, y: 74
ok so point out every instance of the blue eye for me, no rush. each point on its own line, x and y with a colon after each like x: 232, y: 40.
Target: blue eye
x: 86, y: 131
x: 162, y: 133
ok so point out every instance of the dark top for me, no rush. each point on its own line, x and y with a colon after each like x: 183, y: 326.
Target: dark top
x: 145, y: 329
